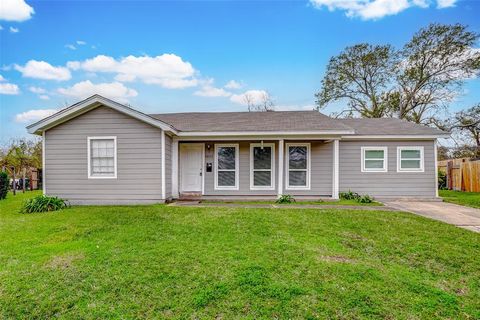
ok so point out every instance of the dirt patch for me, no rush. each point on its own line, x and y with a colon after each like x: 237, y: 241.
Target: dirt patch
x: 64, y: 262
x: 341, y: 259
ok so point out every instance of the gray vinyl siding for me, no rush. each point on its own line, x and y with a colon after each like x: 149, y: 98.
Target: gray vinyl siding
x: 321, y: 170
x: 168, y: 166
x: 391, y: 183
x: 138, y: 159
x: 244, y: 167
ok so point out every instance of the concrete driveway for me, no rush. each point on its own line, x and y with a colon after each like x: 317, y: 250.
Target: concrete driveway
x: 460, y: 216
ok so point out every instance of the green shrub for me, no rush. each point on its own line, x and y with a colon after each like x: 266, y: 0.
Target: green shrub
x: 349, y: 195
x: 442, y: 180
x: 4, y: 183
x: 43, y: 203
x: 365, y: 199
x: 285, y: 198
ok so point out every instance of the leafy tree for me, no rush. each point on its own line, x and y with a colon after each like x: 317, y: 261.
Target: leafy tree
x: 415, y: 83
x: 433, y: 67
x: 361, y: 74
x: 21, y: 156
x: 467, y: 122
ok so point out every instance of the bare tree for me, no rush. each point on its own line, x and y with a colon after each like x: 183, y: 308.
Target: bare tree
x: 262, y: 103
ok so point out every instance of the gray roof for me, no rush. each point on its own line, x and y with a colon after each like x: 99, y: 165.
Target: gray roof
x: 289, y: 121
x: 251, y: 121
x: 389, y: 126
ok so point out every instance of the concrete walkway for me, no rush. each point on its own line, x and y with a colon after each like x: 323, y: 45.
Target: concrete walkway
x: 460, y: 216
x: 278, y: 206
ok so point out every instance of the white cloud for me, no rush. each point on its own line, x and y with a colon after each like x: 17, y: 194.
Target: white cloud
x: 14, y: 30
x: 9, y: 88
x: 114, y: 90
x: 15, y: 10
x: 375, y: 9
x: 37, y: 90
x: 445, y: 3
x: 81, y: 43
x: 167, y: 70
x: 44, y: 97
x: 43, y: 70
x: 209, y: 91
x: 255, y: 96
x: 232, y: 84
x: 1, y: 28
x: 34, y: 115
x: 308, y: 107
x: 70, y: 46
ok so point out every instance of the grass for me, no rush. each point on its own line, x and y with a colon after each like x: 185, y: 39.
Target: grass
x: 318, y: 202
x: 177, y: 262
x: 469, y: 199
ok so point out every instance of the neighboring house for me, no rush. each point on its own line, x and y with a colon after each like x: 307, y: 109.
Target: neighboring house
x: 100, y: 151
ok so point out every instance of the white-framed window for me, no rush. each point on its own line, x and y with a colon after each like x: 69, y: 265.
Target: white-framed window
x: 410, y: 159
x: 298, y: 166
x: 374, y: 159
x: 262, y: 166
x: 102, y: 157
x: 226, y: 167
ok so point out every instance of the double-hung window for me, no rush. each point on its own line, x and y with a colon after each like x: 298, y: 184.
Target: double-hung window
x: 102, y: 157
x: 262, y: 166
x: 410, y: 159
x: 298, y: 166
x: 374, y: 159
x: 226, y: 167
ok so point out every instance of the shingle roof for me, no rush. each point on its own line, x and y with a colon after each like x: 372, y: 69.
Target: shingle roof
x: 251, y: 121
x: 389, y: 126
x: 289, y: 121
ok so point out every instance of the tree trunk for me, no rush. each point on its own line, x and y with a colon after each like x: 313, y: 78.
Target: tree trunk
x: 24, y: 183
x: 14, y: 183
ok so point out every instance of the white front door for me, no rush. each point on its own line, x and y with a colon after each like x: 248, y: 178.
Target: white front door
x: 191, y: 165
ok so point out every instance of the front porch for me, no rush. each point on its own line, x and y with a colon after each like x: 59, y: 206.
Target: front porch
x: 255, y: 169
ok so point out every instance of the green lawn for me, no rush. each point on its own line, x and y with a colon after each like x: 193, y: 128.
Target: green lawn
x: 223, y: 263
x: 469, y: 199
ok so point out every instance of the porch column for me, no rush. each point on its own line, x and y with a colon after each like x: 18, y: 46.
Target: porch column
x: 335, y: 180
x: 175, y: 167
x: 281, y: 171
x: 162, y: 138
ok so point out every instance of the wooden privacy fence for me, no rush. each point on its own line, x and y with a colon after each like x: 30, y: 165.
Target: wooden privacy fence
x: 462, y: 174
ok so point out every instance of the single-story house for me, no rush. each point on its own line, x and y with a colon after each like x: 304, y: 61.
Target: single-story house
x: 98, y: 151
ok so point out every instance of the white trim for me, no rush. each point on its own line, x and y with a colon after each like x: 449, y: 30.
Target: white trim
x: 92, y: 103
x: 89, y: 173
x: 396, y: 137
x: 385, y: 159
x: 44, y: 185
x: 175, y: 191
x: 281, y: 169
x: 262, y: 133
x: 336, y: 166
x: 272, y: 167
x: 256, y: 138
x: 237, y: 168
x: 435, y: 150
x: 162, y: 147
x: 287, y: 167
x: 399, y: 159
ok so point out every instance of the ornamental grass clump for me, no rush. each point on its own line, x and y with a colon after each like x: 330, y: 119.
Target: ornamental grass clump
x: 43, y: 203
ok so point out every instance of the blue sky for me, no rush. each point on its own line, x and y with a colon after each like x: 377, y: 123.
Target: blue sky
x: 193, y: 56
